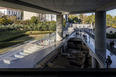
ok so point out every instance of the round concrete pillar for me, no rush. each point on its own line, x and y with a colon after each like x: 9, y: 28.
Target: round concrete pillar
x: 59, y: 27
x: 100, y: 33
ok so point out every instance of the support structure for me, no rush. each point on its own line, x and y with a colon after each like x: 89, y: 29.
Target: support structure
x: 66, y: 17
x: 100, y: 34
x: 59, y: 27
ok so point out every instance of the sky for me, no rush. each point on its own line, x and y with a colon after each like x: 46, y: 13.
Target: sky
x: 111, y: 12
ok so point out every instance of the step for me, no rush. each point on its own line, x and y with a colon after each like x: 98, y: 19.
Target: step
x: 9, y: 60
x: 23, y: 53
x: 35, y: 46
x: 31, y: 49
x: 18, y: 56
x: 28, y: 52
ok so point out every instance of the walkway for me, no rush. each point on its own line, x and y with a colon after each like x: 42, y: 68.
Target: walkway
x: 109, y: 51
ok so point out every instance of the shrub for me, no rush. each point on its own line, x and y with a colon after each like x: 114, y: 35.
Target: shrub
x: 111, y: 36
x: 7, y: 44
x: 5, y: 20
x: 14, y: 37
x: 35, y: 20
x: 23, y: 22
x: 27, y: 26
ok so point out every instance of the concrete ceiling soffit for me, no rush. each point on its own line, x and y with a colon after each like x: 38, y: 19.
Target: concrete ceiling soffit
x: 78, y: 12
x: 24, y: 4
x: 106, y: 7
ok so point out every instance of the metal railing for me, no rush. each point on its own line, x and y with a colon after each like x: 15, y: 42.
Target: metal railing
x: 102, y: 55
x: 110, y: 48
x: 91, y: 35
x: 97, y: 52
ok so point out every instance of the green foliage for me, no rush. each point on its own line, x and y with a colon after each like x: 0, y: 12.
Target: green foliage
x: 37, y: 32
x: 23, y: 22
x: 25, y: 25
x: 52, y: 26
x: 109, y: 20
x: 5, y: 35
x: 35, y: 20
x: 111, y: 36
x: 5, y: 20
x: 15, y: 37
x: 90, y: 19
x: 9, y: 38
x: 6, y: 44
x: 73, y: 19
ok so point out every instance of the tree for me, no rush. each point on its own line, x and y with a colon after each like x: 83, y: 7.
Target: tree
x: 52, y: 26
x: 81, y: 17
x: 109, y: 20
x: 73, y: 19
x: 13, y: 18
x: 5, y: 20
x: 35, y: 20
x: 114, y: 22
x: 90, y: 19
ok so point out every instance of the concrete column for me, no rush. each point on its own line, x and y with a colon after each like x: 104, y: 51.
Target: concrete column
x: 66, y: 17
x: 59, y: 27
x: 100, y: 33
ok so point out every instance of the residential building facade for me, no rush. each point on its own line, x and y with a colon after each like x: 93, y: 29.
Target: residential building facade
x: 11, y: 12
x: 110, y: 29
x: 50, y: 17
x: 42, y: 17
x: 28, y: 15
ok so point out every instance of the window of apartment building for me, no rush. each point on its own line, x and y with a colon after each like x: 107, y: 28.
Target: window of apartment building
x: 9, y: 12
x: 12, y: 12
x: 53, y: 16
x: 16, y: 13
x: 4, y: 12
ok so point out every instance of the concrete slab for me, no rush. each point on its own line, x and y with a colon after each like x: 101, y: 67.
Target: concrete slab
x: 19, y: 55
x: 22, y: 53
x: 9, y: 60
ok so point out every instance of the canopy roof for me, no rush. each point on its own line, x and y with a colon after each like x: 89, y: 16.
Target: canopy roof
x: 60, y: 6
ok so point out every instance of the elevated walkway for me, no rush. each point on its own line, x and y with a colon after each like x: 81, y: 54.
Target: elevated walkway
x: 109, y: 51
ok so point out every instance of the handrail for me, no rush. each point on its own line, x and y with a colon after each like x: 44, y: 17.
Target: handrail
x: 91, y: 35
x: 97, y: 52
x: 111, y: 49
